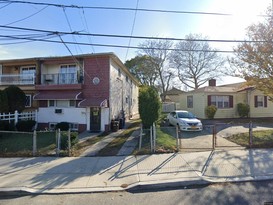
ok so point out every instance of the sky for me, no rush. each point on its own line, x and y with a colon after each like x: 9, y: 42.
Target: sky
x: 121, y: 22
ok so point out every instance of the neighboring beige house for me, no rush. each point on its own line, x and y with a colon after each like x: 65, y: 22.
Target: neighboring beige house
x: 226, y: 98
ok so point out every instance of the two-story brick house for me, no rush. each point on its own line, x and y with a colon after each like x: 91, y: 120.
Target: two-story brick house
x: 88, y: 91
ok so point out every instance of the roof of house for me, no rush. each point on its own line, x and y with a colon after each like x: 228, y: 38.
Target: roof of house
x: 229, y: 88
x: 173, y: 91
x: 111, y: 55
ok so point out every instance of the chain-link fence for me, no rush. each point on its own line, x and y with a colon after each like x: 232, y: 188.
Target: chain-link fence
x: 37, y: 143
x: 244, y: 135
x: 166, y: 139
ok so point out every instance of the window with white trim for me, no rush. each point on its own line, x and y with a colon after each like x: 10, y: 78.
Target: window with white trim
x: 190, y: 101
x: 68, y: 74
x: 28, y: 101
x: 221, y: 101
x: 260, y: 101
x: 61, y: 103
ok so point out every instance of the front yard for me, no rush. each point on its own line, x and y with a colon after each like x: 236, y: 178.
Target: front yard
x: 261, y: 139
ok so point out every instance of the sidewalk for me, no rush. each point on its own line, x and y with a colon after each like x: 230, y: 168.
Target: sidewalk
x: 97, y: 174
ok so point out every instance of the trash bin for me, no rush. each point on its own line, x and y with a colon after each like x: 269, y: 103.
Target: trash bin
x: 114, y: 125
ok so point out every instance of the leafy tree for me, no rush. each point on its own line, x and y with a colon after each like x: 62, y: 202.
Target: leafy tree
x: 149, y: 105
x: 159, y: 52
x: 4, y: 106
x: 253, y: 58
x: 196, y: 62
x: 16, y: 98
x: 142, y: 68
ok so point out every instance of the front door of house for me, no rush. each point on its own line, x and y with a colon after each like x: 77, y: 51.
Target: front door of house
x: 95, y: 119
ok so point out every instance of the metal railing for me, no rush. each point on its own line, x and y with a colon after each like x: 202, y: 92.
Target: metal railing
x: 60, y: 78
x: 17, y: 79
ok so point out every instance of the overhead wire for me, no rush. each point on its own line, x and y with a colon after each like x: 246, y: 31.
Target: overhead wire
x: 70, y: 27
x: 132, y: 30
x: 5, y: 5
x: 128, y: 36
x: 27, y: 16
x: 112, y: 45
x: 124, y: 8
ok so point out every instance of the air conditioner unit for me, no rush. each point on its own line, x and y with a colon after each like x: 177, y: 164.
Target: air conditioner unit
x: 48, y: 77
x: 59, y: 111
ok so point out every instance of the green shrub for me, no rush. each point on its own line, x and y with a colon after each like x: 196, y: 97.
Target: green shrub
x: 25, y: 125
x: 64, y: 139
x: 210, y: 111
x: 149, y: 105
x: 7, y: 126
x: 63, y: 126
x: 243, y: 109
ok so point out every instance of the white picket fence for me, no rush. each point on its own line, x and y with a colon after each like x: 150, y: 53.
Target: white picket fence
x: 16, y: 116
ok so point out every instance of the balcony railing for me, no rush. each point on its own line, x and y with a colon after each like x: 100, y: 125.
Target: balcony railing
x: 17, y: 79
x: 61, y: 79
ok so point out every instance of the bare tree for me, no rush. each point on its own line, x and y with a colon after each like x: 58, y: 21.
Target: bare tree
x: 196, y: 62
x: 159, y: 52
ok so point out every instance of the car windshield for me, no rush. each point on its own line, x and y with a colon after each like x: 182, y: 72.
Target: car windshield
x: 185, y: 115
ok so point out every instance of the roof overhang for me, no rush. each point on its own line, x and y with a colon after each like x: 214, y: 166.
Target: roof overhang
x: 94, y: 102
x: 58, y: 95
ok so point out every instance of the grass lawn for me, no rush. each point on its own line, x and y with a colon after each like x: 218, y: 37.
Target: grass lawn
x: 165, y: 143
x: 261, y: 139
x: 21, y: 144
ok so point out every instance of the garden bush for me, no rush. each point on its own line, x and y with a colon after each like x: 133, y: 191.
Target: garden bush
x: 7, y: 126
x: 243, y: 109
x: 25, y: 125
x: 210, y: 111
x: 63, y: 126
x: 64, y: 139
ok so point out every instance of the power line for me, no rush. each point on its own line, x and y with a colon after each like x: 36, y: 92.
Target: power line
x: 128, y: 36
x: 27, y: 16
x: 123, y: 8
x: 132, y: 30
x: 111, y: 45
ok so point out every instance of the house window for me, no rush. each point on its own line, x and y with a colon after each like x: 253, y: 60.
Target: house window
x: 260, y: 101
x: 62, y: 103
x: 68, y: 74
x: 221, y: 101
x: 119, y: 72
x: 27, y: 74
x: 28, y: 101
x: 190, y: 101
x: 72, y: 103
x: 51, y: 103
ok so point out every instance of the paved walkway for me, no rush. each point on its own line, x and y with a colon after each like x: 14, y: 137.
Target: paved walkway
x: 130, y: 144
x: 96, y: 174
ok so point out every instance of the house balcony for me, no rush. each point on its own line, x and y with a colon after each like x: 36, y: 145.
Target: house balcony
x: 17, y: 79
x: 60, y: 81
